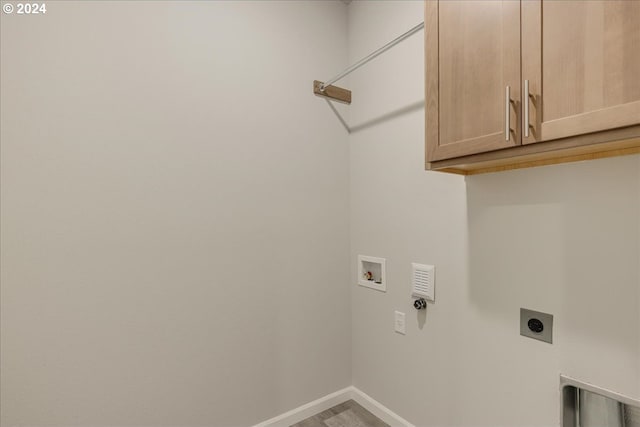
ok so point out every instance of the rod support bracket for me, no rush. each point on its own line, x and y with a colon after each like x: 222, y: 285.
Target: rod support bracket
x: 334, y: 93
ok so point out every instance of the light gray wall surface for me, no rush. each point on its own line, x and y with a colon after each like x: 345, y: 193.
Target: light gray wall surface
x: 177, y: 211
x: 174, y: 213
x: 560, y: 239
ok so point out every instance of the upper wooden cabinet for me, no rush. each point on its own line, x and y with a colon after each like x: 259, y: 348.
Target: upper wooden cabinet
x: 502, y: 76
x: 475, y: 58
x: 582, y: 59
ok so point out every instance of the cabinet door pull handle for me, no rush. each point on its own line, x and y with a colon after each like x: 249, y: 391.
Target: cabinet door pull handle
x: 525, y: 114
x: 507, y: 117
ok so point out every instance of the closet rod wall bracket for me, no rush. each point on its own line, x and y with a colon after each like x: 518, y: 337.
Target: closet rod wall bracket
x: 334, y: 93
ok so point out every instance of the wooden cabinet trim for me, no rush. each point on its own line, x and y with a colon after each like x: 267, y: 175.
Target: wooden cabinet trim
x: 531, y: 58
x: 601, y: 151
x: 432, y: 106
x: 615, y: 142
x: 460, y: 148
x: 593, y: 121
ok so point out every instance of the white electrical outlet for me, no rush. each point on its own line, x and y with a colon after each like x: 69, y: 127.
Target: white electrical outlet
x: 400, y: 324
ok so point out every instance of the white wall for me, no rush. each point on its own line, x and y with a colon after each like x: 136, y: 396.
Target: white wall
x: 174, y: 213
x: 175, y: 229
x: 561, y: 239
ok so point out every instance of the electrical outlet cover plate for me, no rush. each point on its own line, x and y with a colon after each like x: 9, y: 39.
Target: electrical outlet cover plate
x: 536, y: 325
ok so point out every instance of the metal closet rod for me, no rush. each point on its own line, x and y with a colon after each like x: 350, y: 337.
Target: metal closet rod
x: 371, y: 56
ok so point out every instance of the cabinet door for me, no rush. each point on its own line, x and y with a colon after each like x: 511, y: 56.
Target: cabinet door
x: 582, y: 61
x: 472, y: 53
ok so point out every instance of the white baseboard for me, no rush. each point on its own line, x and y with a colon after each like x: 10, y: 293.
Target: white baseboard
x: 312, y: 408
x: 308, y: 410
x: 378, y: 409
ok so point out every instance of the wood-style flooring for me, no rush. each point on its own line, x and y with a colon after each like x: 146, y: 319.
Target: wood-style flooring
x: 347, y: 414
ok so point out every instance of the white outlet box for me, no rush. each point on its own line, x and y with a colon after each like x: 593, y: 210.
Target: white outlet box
x: 371, y: 272
x: 400, y: 324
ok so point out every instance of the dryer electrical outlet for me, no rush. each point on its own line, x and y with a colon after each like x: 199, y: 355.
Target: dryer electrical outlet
x: 536, y: 325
